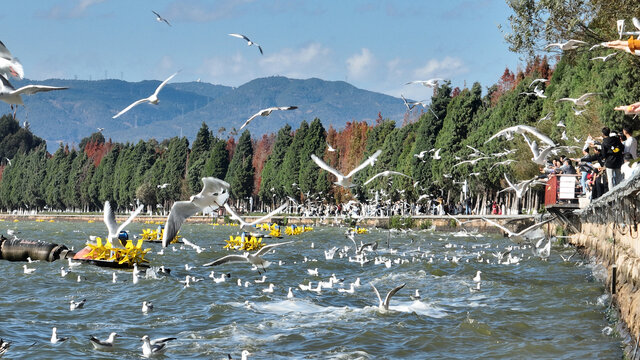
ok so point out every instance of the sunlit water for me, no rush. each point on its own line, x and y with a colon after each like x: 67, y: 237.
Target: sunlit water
x: 535, y: 309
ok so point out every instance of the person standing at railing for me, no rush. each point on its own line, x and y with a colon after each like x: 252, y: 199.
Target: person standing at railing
x: 612, y: 150
x: 630, y: 144
x: 585, y: 167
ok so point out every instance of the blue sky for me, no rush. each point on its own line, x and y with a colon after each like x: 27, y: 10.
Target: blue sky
x: 374, y: 45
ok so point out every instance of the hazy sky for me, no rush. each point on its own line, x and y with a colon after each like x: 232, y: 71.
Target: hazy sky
x: 374, y: 45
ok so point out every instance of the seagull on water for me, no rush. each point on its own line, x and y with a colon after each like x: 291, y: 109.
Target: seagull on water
x: 112, y: 225
x: 477, y: 278
x: 103, y: 344
x: 28, y: 270
x: 10, y: 65
x: 147, y: 306
x: 4, y: 346
x: 12, y: 96
x: 569, y: 45
x: 249, y: 42
x: 153, y: 99
x: 160, y: 18
x: 54, y: 336
x: 416, y: 296
x: 254, y: 259
x: 580, y: 101
x: 244, y: 356
x: 244, y: 224
x: 385, y: 173
x: 76, y: 304
x: 213, y: 195
x: 384, y: 305
x: 153, y: 347
x: 346, y: 181
x: 266, y: 112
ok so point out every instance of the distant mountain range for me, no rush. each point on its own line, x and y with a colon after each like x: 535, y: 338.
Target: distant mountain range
x: 75, y: 113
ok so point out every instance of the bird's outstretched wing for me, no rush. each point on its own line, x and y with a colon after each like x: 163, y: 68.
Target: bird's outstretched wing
x: 110, y: 220
x: 509, y: 232
x: 265, y: 249
x: 324, y: 166
x: 240, y: 36
x: 380, y: 303
x: 180, y: 211
x: 390, y: 295
x: 32, y: 89
x: 227, y: 259
x: 534, y: 226
x: 259, y: 113
x: 136, y: 103
x: 164, y: 83
x: 130, y: 219
x: 370, y: 161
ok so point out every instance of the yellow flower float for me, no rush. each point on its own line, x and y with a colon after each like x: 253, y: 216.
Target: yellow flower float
x: 156, y: 235
x: 243, y: 243
x: 129, y: 255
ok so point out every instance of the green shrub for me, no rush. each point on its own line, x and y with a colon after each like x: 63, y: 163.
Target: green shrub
x: 453, y: 223
x: 426, y: 225
x: 399, y: 222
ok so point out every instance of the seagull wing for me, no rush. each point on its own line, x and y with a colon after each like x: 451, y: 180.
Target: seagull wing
x: 259, y: 113
x: 377, y: 294
x: 110, y: 220
x: 390, y: 295
x: 240, y: 36
x: 326, y: 167
x: 235, y: 216
x: 538, y: 134
x: 384, y: 173
x: 509, y: 232
x: 32, y: 89
x: 162, y: 340
x: 533, y: 227
x: 260, y: 48
x: 228, y: 259
x: 265, y: 249
x: 269, y: 215
x: 636, y: 23
x: 509, y: 182
x: 131, y: 106
x: 4, y: 52
x: 502, y: 132
x: 164, y: 83
x: 130, y: 219
x: 286, y: 108
x: 180, y: 211
x: 585, y: 96
x: 6, y: 87
x: 366, y: 163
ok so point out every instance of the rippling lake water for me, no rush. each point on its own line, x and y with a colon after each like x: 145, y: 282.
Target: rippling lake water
x: 535, y: 309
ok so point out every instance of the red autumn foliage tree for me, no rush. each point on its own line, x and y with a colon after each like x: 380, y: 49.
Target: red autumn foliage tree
x: 261, y: 150
x: 231, y: 147
x: 96, y: 150
x: 456, y: 92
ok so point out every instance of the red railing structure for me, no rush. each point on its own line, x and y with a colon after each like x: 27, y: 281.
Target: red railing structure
x: 551, y: 191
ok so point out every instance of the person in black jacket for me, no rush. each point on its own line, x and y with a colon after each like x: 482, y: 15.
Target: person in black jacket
x: 612, y: 150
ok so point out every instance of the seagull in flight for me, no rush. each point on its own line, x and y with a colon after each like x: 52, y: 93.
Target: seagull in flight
x: 100, y: 129
x: 605, y: 58
x: 581, y: 101
x: 214, y: 194
x: 577, y: 112
x: 473, y: 161
x: 569, y: 45
x: 253, y: 259
x: 244, y: 224
x: 266, y: 112
x: 535, y: 81
x: 112, y: 225
x: 519, y: 188
x: 12, y: 96
x: 546, y: 117
x: 152, y: 347
x: 519, y: 236
x: 384, y: 305
x: 153, y: 99
x: 421, y: 154
x: 428, y: 83
x: 505, y: 162
x: 10, y: 65
x: 103, y: 344
x: 521, y: 129
x: 160, y: 18
x: 163, y: 186
x: 249, y: 42
x: 385, y: 173
x: 346, y: 181
x: 330, y: 148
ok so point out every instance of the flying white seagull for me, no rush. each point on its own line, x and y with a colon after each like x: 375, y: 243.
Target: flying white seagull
x: 346, y: 181
x: 569, y: 45
x: 249, y: 42
x: 12, y: 96
x: 520, y: 236
x: 213, y: 195
x: 385, y: 304
x: 112, y: 225
x: 160, y: 18
x: 266, y: 112
x: 153, y: 99
x: 581, y: 101
x: 535, y: 81
x: 427, y: 83
x: 385, y: 173
x: 253, y: 259
x: 521, y: 129
x: 330, y: 148
x: 604, y: 58
x: 519, y: 188
x: 10, y: 65
x: 244, y: 224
